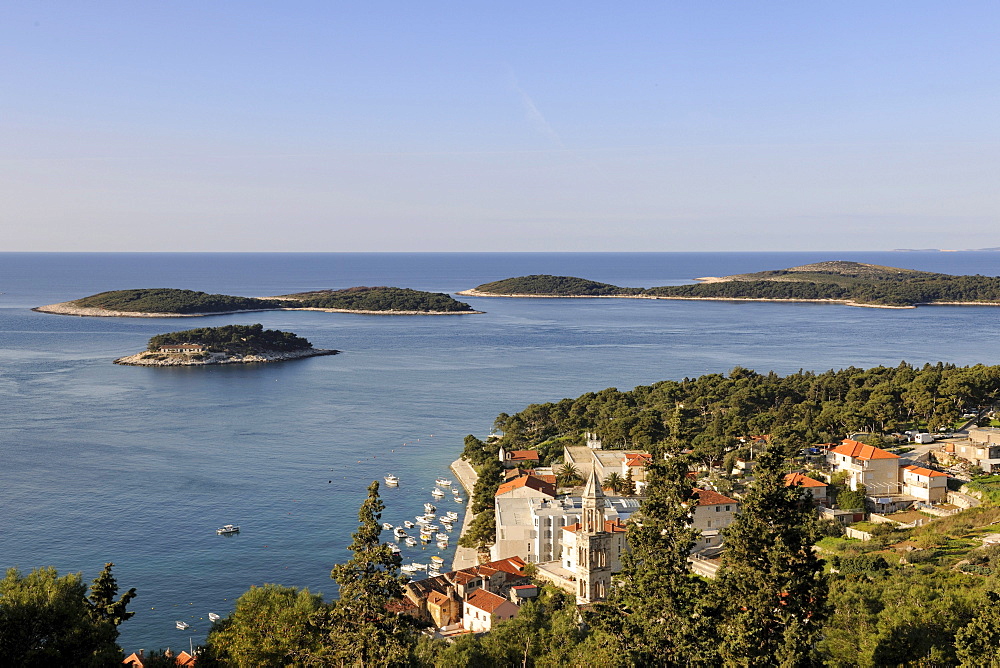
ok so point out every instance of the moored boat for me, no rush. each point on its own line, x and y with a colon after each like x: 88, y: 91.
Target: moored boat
x: 399, y: 532
x: 442, y: 544
x: 408, y: 524
x: 391, y: 480
x: 437, y: 492
x: 437, y: 559
x: 386, y: 526
x: 441, y: 536
x: 444, y: 482
x: 212, y: 617
x: 430, y: 508
x: 182, y: 625
x: 410, y: 541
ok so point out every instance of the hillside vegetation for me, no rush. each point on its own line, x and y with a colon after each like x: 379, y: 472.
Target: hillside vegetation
x: 380, y: 298
x: 234, y: 339
x: 853, y: 282
x: 171, y: 300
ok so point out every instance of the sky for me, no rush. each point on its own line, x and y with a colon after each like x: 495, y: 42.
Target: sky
x: 516, y: 126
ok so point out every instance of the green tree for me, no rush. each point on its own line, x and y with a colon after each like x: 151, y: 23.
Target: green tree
x: 771, y: 587
x: 977, y: 644
x: 567, y: 475
x: 614, y: 481
x: 656, y: 608
x: 47, y: 620
x: 358, y: 628
x: 268, y: 627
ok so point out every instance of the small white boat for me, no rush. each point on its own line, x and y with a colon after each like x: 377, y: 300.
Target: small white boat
x: 410, y: 541
x: 452, y: 515
x: 393, y: 547
x: 442, y: 544
x: 430, y: 508
x: 408, y: 524
x: 419, y: 567
x: 425, y: 537
x: 458, y: 499
x: 437, y: 560
x: 430, y: 527
x: 437, y: 493
x: 227, y: 529
x: 441, y: 536
x: 444, y: 482
x: 212, y: 617
x: 422, y: 518
x: 408, y: 569
x: 182, y: 625
x: 454, y: 490
x: 399, y: 532
x: 386, y: 526
x: 391, y: 480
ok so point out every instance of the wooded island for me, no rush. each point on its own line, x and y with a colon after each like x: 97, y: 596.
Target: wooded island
x: 172, y: 302
x: 853, y: 283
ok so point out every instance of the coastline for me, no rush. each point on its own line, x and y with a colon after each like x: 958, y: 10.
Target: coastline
x: 708, y: 279
x: 182, y: 359
x: 68, y: 308
x: 465, y: 557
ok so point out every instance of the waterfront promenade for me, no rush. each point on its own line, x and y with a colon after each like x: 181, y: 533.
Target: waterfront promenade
x: 465, y: 557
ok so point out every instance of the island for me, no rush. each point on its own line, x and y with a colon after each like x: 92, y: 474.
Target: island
x: 175, y: 303
x: 842, y: 282
x: 229, y: 344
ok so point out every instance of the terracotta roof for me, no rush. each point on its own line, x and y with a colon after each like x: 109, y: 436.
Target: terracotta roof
x: 793, y: 479
x: 463, y: 577
x: 437, y: 598
x: 638, y: 459
x: 529, y: 481
x: 572, y: 527
x: 917, y: 470
x: 510, y: 565
x: 859, y: 450
x: 522, y: 456
x: 707, y: 497
x: 610, y: 526
x: 485, y: 600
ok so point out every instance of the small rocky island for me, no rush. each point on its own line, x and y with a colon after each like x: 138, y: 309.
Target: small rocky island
x: 230, y: 344
x: 174, y: 303
x: 842, y: 282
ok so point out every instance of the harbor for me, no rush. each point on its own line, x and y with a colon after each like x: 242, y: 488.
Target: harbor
x: 466, y: 475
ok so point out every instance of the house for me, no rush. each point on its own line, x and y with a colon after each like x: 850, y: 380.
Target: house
x: 527, y: 487
x: 816, y: 489
x: 925, y: 484
x: 444, y: 608
x: 874, y: 468
x: 521, y: 593
x: 517, y: 458
x: 139, y: 659
x: 483, y: 608
x: 634, y: 465
x: 439, y: 599
x: 713, y: 513
x: 183, y: 348
x: 982, y: 449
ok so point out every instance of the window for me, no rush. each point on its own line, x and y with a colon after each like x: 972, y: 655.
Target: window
x: 727, y: 509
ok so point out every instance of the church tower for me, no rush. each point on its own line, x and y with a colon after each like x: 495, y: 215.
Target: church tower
x: 593, y: 545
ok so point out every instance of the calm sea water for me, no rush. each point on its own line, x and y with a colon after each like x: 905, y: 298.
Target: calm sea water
x: 139, y: 466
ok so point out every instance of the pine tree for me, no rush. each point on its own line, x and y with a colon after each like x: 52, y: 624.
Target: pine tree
x: 656, y: 607
x: 771, y: 588
x: 977, y: 644
x: 359, y: 628
x: 103, y: 606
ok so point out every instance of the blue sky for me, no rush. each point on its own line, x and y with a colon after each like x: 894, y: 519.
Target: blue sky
x: 517, y: 126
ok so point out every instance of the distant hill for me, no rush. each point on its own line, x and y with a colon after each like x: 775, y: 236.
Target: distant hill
x: 849, y: 282
x: 234, y: 339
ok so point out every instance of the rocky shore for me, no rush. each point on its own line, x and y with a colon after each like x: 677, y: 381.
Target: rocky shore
x: 148, y: 358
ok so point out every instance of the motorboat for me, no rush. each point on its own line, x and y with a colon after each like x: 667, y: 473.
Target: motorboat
x: 391, y: 480
x: 425, y: 537
x: 183, y: 626
x: 408, y: 569
x: 430, y: 527
x: 410, y: 541
x: 441, y: 536
x: 393, y: 547
x: 226, y: 529
x: 454, y: 491
x: 437, y: 560
x: 452, y: 515
x: 419, y: 567
x: 408, y: 524
x: 436, y: 492
x: 443, y: 482
x: 386, y: 526
x: 442, y: 544
x: 430, y: 508
x: 212, y: 617
x: 459, y: 499
x: 399, y: 532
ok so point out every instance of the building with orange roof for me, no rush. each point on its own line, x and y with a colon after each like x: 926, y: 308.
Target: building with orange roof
x: 518, y: 458
x: 483, y: 608
x: 139, y: 659
x: 816, y: 489
x: 874, y: 468
x: 713, y: 513
x: 925, y: 484
x: 526, y: 487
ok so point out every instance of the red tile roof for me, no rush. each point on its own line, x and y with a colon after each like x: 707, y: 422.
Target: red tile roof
x: 511, y: 565
x: 529, y: 481
x: 859, y: 450
x: 793, y: 479
x: 485, y: 600
x: 522, y: 456
x: 929, y: 473
x: 638, y: 459
x: 707, y: 497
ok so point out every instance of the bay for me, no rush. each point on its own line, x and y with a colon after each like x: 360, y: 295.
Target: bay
x: 139, y: 466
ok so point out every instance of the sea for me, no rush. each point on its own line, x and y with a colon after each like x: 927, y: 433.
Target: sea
x: 139, y: 466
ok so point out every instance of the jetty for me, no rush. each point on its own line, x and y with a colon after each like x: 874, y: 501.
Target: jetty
x: 465, y: 557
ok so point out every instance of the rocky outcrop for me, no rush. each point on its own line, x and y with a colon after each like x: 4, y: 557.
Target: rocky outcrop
x: 147, y: 358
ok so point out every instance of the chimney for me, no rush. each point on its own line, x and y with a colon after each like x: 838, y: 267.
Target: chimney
x: 142, y: 653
